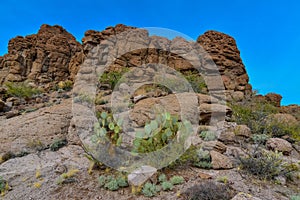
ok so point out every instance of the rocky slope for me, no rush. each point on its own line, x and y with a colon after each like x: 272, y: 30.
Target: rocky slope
x: 39, y: 141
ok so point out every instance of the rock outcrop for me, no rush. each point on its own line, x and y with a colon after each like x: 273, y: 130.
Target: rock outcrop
x: 43, y: 57
x: 224, y: 52
x: 53, y: 54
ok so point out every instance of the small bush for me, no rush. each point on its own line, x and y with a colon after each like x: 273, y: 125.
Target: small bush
x: 209, y: 190
x: 266, y: 165
x: 112, y: 183
x: 162, y: 178
x: 21, y: 90
x: 56, y: 145
x: 203, y: 159
x: 252, y: 114
x: 149, y: 190
x: 208, y: 135
x: 67, y: 177
x: 112, y: 77
x: 223, y: 179
x: 166, y: 185
x: 297, y: 197
x: 260, y: 138
x: 65, y: 85
x: 196, y: 80
x: 3, y: 186
x: 176, y: 180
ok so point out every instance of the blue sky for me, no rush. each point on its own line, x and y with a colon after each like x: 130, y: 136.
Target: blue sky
x: 267, y: 31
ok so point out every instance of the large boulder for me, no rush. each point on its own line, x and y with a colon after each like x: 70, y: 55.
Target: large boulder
x: 220, y: 161
x: 281, y: 145
x: 35, y: 130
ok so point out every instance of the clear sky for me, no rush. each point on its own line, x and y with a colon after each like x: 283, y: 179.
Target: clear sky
x: 267, y: 31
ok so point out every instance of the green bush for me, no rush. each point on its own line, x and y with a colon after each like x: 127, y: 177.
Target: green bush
x: 112, y: 77
x: 208, y: 135
x: 166, y: 185
x: 203, y: 159
x: 57, y: 144
x: 209, y: 190
x: 260, y: 138
x: 195, y: 157
x: 176, y: 180
x: 65, y: 85
x: 150, y: 190
x: 297, y: 197
x: 252, y: 114
x: 162, y: 178
x: 112, y: 185
x: 276, y: 128
x: 3, y: 186
x: 112, y: 182
x: 196, y: 80
x: 21, y: 90
x: 266, y: 165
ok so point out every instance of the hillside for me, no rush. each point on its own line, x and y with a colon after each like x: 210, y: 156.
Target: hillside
x: 83, y: 120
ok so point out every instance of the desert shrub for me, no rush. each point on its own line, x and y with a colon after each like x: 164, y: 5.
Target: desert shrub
x: 176, y: 180
x: 223, y: 179
x: 209, y: 190
x: 196, y: 80
x: 260, y: 138
x: 67, y: 177
x: 276, y: 128
x: 21, y: 90
x: 297, y: 197
x: 112, y: 185
x: 3, y: 186
x: 203, y: 159
x: 65, y: 85
x: 195, y: 157
x: 252, y: 114
x: 150, y: 190
x: 107, y: 129
x: 208, y: 135
x: 57, y: 144
x: 112, y: 77
x: 266, y: 165
x: 162, y: 178
x: 167, y: 185
x: 112, y: 182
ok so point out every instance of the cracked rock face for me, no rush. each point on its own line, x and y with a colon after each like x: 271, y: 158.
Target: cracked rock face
x: 43, y: 57
x: 35, y: 130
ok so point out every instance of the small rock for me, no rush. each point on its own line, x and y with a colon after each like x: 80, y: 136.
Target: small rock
x: 138, y: 98
x: 2, y: 105
x: 242, y: 130
x: 281, y: 180
x: 220, y: 161
x: 11, y: 114
x: 204, y: 175
x: 243, y: 196
x: 141, y: 175
x: 280, y: 145
x: 227, y: 137
x: 214, y: 145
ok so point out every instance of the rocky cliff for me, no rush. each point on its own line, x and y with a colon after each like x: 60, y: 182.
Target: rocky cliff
x: 53, y: 55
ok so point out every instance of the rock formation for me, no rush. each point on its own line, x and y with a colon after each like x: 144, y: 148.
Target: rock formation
x: 53, y: 54
x: 42, y: 58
